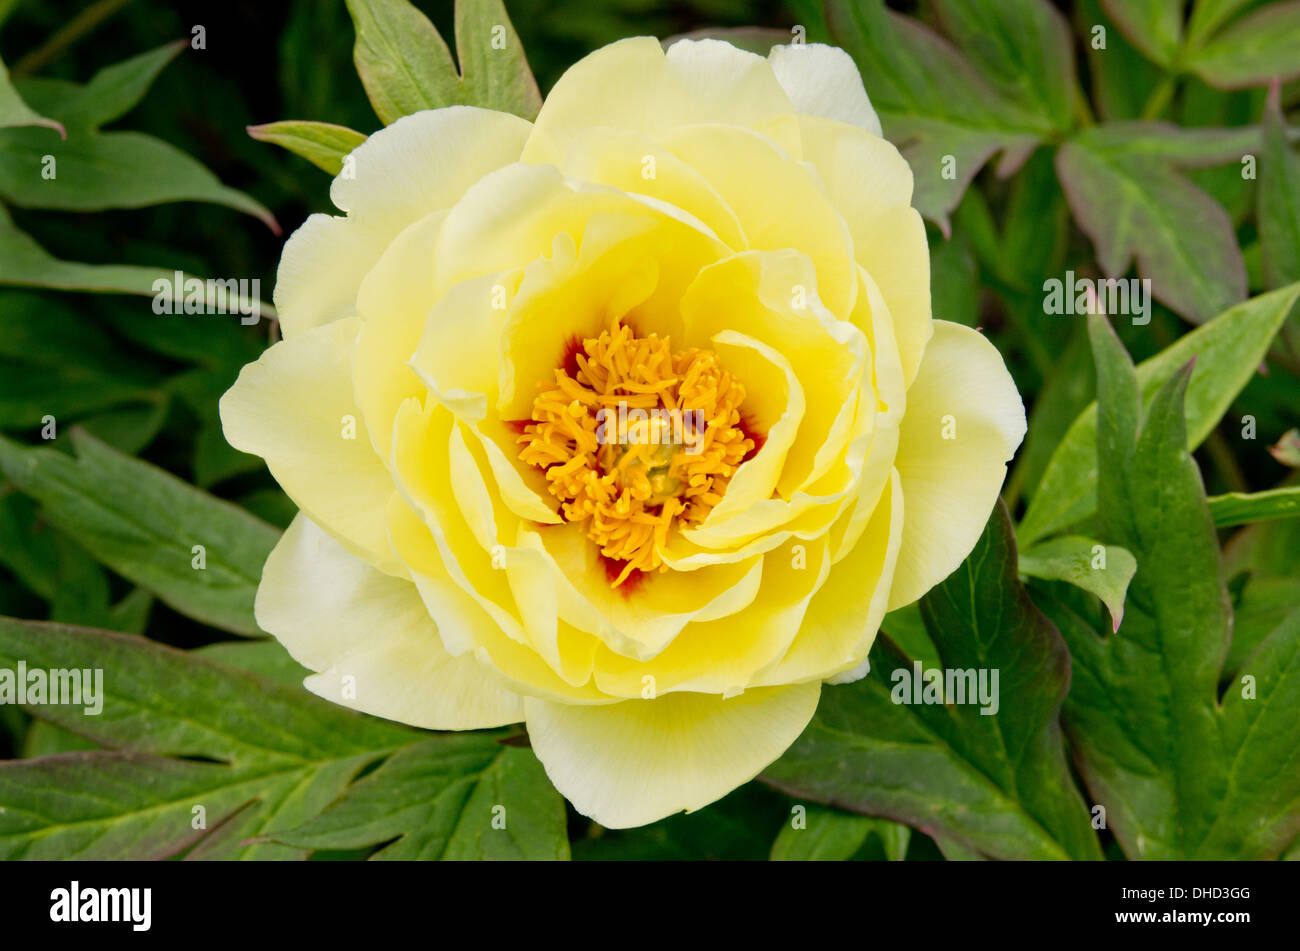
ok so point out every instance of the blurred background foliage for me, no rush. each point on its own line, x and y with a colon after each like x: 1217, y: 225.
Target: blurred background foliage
x: 149, y: 385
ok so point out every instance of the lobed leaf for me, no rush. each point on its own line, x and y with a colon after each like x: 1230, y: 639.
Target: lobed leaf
x: 144, y: 523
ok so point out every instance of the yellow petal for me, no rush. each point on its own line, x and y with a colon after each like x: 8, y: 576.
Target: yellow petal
x: 294, y: 408
x: 774, y: 405
x: 420, y: 164
x: 634, y: 85
x: 643, y: 623
x: 393, y: 302
x: 963, y: 423
x: 463, y: 623
x: 725, y: 655
x: 317, y: 599
x: 772, y: 296
x: 778, y: 201
x: 845, y: 613
x: 870, y: 185
x: 631, y: 763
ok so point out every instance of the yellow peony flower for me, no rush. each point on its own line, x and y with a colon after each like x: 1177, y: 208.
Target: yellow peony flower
x: 630, y: 423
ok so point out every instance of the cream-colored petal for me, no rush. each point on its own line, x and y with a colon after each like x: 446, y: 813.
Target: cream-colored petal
x: 845, y: 613
x: 773, y: 297
x: 779, y: 202
x: 891, y: 400
x: 823, y: 81
x: 963, y: 423
x: 372, y: 643
x: 870, y: 185
x: 774, y: 405
x: 629, y: 161
x: 642, y: 623
x: 418, y: 165
x: 632, y: 763
x: 394, y: 300
x: 294, y: 408
x: 634, y: 85
x: 725, y: 655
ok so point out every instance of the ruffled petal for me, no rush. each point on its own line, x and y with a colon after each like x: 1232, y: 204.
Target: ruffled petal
x: 418, y: 165
x: 634, y: 85
x: 823, y: 81
x: 630, y: 763
x: 294, y: 408
x: 370, y: 639
x: 964, y: 421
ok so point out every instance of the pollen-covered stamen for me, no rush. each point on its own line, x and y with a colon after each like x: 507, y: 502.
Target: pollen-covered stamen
x: 639, y: 440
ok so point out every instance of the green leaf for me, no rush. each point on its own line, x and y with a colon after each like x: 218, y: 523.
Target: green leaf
x: 1133, y: 205
x: 264, y: 758
x: 1153, y: 26
x: 93, y: 170
x: 1186, y: 148
x: 406, y: 67
x: 1075, y: 559
x: 320, y: 143
x: 456, y: 797
x: 733, y: 829
x: 1278, y: 199
x: 1209, y: 15
x: 933, y: 104
x: 1238, y: 508
x: 1180, y: 776
x: 402, y: 60
x: 1123, y: 80
x: 1259, y: 47
x: 266, y: 658
x: 58, y: 363
x: 114, y: 90
x: 278, y: 754
x: 24, y: 262
x: 145, y: 523
x: 1022, y: 47
x: 997, y: 784
x: 1067, y: 391
x: 495, y: 73
x: 1228, y: 351
x: 830, y: 835
x: 1287, y: 448
x: 1259, y: 816
x: 15, y: 112
x: 1263, y: 604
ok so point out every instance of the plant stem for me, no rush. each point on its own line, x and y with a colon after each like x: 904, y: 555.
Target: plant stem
x: 73, y: 30
x: 1160, y: 97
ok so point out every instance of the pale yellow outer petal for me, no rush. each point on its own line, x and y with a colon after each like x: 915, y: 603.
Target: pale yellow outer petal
x: 950, y: 485
x: 370, y: 639
x: 420, y: 164
x: 631, y: 763
x: 394, y: 301
x: 634, y: 85
x: 294, y: 408
x: 870, y: 184
x: 822, y: 81
x: 845, y: 613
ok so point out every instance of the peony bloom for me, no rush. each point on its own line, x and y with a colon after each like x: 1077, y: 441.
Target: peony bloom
x: 629, y: 424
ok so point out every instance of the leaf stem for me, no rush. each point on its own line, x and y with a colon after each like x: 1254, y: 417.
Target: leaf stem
x: 1160, y: 97
x: 73, y: 30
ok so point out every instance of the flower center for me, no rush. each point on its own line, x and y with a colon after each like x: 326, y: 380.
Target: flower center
x: 635, y: 440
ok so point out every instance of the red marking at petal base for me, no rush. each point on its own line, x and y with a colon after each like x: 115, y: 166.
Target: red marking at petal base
x: 569, y: 363
x: 614, y: 567
x: 746, y: 426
